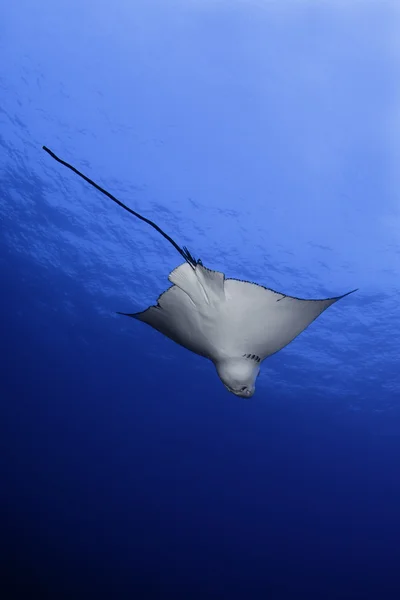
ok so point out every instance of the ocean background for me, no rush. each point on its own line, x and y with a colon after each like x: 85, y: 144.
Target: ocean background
x: 264, y: 136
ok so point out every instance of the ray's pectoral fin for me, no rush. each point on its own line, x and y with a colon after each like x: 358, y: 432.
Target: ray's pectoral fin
x: 291, y: 317
x: 269, y: 320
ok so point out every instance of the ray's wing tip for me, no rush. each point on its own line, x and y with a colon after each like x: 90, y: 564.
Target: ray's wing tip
x: 348, y: 293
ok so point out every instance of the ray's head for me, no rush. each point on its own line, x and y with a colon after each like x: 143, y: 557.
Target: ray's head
x: 238, y: 375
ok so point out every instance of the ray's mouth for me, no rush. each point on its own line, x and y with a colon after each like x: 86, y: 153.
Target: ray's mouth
x: 243, y: 392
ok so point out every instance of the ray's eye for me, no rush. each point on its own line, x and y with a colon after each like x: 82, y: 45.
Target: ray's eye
x: 243, y: 389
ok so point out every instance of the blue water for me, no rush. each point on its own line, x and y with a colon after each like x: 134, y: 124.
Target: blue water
x: 263, y: 137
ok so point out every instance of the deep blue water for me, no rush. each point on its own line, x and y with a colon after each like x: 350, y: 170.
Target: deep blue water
x: 264, y: 139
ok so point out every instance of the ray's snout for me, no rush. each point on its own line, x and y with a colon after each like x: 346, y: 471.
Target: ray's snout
x: 245, y: 392
x: 238, y: 376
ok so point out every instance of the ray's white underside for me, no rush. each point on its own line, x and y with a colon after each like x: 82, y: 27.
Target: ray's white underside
x: 221, y: 318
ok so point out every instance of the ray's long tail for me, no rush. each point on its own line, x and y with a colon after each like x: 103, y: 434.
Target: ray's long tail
x: 184, y: 252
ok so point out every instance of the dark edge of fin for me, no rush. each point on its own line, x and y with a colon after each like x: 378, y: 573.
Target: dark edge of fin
x: 184, y: 252
x: 335, y: 298
x: 283, y: 296
x: 347, y: 294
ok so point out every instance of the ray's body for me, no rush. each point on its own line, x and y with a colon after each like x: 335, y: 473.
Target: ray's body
x: 236, y: 324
